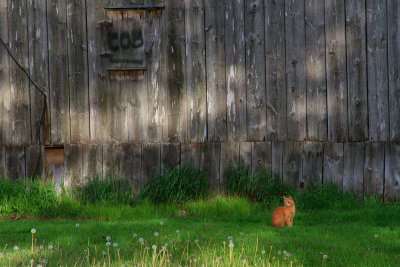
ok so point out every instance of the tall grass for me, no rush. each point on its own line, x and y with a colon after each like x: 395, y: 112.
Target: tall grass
x: 178, y: 185
x: 261, y: 186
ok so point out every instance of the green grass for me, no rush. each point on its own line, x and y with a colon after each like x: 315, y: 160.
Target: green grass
x: 346, y: 236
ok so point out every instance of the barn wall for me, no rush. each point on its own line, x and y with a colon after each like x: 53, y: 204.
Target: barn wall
x: 308, y: 88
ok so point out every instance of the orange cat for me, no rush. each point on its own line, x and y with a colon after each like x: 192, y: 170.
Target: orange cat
x: 283, y: 216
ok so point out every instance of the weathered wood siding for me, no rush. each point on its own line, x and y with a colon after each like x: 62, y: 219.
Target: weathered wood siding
x: 309, y: 89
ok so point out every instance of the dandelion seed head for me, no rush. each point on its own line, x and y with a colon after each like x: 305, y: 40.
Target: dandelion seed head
x: 41, y: 247
x: 154, y: 246
x: 44, y: 261
x: 108, y: 238
x: 217, y: 259
x: 8, y: 254
x: 39, y: 265
x: 141, y: 240
x: 156, y: 234
x: 263, y: 251
x: 161, y: 223
x: 284, y: 252
x: 135, y: 235
x: 196, y: 240
x: 33, y: 230
x: 244, y: 261
x: 115, y: 245
x: 24, y: 252
x: 231, y: 245
x: 16, y: 248
x: 324, y: 256
x: 229, y: 237
x: 288, y: 255
x: 195, y: 260
x: 77, y: 225
x: 376, y: 235
x: 50, y: 246
x: 177, y: 231
x: 108, y: 244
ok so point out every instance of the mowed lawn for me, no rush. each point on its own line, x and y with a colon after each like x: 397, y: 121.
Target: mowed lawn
x: 366, y: 236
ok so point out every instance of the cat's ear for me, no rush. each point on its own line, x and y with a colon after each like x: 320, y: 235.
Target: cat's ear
x: 291, y: 198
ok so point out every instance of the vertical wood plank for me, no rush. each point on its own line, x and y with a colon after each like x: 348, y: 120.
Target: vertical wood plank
x: 190, y: 155
x: 196, y: 71
x: 98, y: 77
x: 333, y: 164
x: 2, y: 162
x: 312, y: 161
x: 112, y: 160
x: 229, y: 159
x: 209, y: 162
x: 92, y: 162
x: 261, y: 158
x: 5, y: 91
x: 353, y: 173
x: 392, y: 172
x: 275, y: 69
x: 215, y: 61
x: 156, y: 79
x: 73, y: 166
x: 336, y: 70
x: 255, y: 71
x: 19, y: 83
x: 317, y: 121
x: 38, y: 68
x: 177, y: 105
x: 35, y: 161
x: 295, y: 69
x: 170, y: 156
x: 292, y: 167
x: 374, y: 169
x: 393, y: 19
x: 356, y: 70
x: 15, y: 162
x: 377, y: 64
x: 277, y: 158
x: 132, y: 164
x: 58, y: 72
x: 151, y: 160
x: 235, y: 70
x: 78, y: 70
x: 245, y: 153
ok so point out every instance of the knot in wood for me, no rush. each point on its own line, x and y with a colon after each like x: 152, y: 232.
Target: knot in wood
x: 356, y: 61
x: 253, y: 7
x: 294, y: 62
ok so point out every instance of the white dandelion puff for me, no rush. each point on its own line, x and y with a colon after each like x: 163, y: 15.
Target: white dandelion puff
x: 108, y: 238
x: 115, y: 245
x: 156, y: 234
x: 324, y: 256
x: 108, y: 244
x: 33, y: 230
x: 231, y: 245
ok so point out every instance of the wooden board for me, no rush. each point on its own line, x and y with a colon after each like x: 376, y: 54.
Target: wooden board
x: 312, y: 162
x: 245, y: 153
x: 98, y: 77
x: 176, y: 108
x: 333, y: 164
x: 73, y: 166
x: 374, y: 169
x: 353, y: 173
x: 132, y: 164
x: 377, y: 63
x: 156, y: 78
x: 78, y: 70
x: 209, y: 162
x: 38, y: 69
x: 35, y: 161
x: 196, y: 71
x: 92, y: 162
x: 170, y: 156
x: 291, y: 167
x: 295, y: 69
x: 261, y: 158
x: 277, y: 158
x: 112, y: 160
x: 151, y: 161
x: 255, y: 71
x: 15, y: 162
x: 235, y: 71
x: 190, y: 155
x: 275, y: 69
x: 58, y: 72
x: 19, y: 83
x: 356, y: 70
x: 5, y: 91
x: 393, y: 16
x: 392, y: 173
x: 215, y: 62
x: 229, y: 159
x: 317, y: 120
x: 2, y: 162
x: 336, y: 71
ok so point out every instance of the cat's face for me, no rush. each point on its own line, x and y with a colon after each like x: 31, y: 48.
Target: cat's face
x: 288, y: 201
